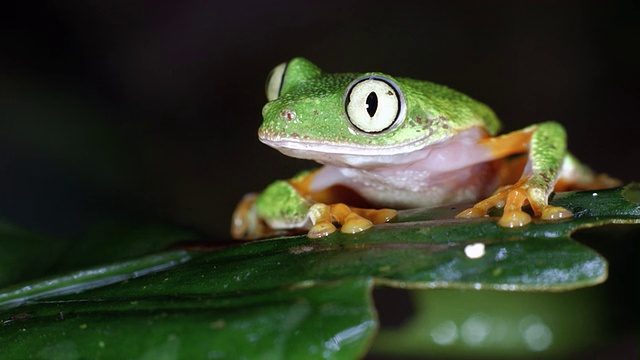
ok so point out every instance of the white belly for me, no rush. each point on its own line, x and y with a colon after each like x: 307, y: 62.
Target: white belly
x: 410, y: 189
x: 454, y: 171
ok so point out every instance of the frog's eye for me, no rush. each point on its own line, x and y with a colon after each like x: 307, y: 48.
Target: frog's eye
x: 374, y: 104
x: 274, y: 81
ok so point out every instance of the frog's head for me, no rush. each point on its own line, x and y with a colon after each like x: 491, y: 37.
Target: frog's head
x: 353, y: 119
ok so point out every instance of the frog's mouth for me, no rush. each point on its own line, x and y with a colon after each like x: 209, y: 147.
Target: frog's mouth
x: 340, y: 154
x: 359, y: 156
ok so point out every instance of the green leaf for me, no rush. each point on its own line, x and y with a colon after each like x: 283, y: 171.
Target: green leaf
x: 330, y: 320
x: 289, y: 296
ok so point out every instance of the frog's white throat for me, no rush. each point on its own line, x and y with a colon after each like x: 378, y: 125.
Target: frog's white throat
x: 461, y: 150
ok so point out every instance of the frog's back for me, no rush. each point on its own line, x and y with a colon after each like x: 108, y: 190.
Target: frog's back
x: 442, y: 102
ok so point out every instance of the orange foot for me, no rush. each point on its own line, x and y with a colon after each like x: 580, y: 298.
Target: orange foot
x: 352, y: 220
x: 512, y: 199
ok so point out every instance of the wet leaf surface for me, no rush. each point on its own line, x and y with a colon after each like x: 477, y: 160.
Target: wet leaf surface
x: 330, y: 320
x: 126, y: 291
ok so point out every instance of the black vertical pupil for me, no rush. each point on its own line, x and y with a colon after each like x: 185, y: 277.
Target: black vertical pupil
x: 372, y: 104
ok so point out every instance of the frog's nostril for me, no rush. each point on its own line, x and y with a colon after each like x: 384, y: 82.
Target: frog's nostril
x: 288, y: 114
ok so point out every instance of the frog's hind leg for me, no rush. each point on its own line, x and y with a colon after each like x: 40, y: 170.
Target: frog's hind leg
x: 246, y: 224
x: 575, y: 175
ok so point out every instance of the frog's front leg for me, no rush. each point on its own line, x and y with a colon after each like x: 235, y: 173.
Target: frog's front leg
x: 278, y: 210
x: 546, y: 147
x: 289, y: 206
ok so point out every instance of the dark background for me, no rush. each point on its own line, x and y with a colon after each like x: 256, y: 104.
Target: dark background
x: 149, y: 110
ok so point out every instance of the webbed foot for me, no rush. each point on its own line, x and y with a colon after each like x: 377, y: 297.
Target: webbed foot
x: 351, y: 220
x: 512, y: 199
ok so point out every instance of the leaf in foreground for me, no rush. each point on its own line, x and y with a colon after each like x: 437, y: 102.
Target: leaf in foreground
x: 293, y: 295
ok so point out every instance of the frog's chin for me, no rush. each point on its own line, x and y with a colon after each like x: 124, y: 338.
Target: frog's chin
x: 367, y: 157
x: 340, y: 155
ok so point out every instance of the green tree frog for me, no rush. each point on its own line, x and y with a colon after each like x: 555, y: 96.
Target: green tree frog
x: 389, y: 143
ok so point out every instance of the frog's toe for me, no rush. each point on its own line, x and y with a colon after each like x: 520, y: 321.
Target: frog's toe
x: 355, y: 220
x: 376, y: 216
x: 322, y: 220
x: 516, y: 197
x: 472, y: 213
x: 514, y: 218
x: 354, y: 223
x: 321, y: 229
x: 351, y: 220
x: 555, y: 213
x: 481, y: 209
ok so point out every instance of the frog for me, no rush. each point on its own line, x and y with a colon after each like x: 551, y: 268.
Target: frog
x: 387, y: 143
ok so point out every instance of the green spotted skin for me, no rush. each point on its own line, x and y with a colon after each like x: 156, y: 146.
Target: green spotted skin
x: 281, y: 206
x: 547, y: 151
x: 311, y: 108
